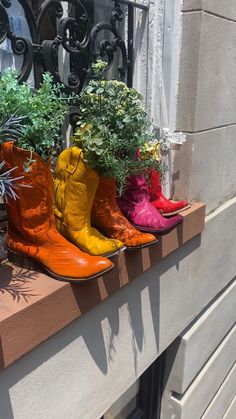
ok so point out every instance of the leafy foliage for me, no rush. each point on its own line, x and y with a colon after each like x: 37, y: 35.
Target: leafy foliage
x: 112, y: 127
x: 33, y: 118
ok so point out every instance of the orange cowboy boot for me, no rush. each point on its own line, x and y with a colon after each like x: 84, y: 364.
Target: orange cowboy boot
x: 32, y: 235
x: 75, y: 187
x: 107, y: 217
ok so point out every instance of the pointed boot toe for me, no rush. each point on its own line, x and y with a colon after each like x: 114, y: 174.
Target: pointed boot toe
x: 108, y: 247
x: 59, y: 258
x: 168, y: 208
x: 143, y: 240
x: 154, y: 222
x: 167, y: 224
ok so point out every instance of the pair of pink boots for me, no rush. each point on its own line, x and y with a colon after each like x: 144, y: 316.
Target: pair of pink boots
x: 136, y: 206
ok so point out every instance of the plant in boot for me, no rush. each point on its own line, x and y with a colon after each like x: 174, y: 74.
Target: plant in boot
x: 32, y: 118
x: 135, y: 202
x: 10, y: 128
x: 112, y: 126
x: 32, y: 236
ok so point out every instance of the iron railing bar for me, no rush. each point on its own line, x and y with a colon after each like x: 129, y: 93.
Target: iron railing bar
x: 130, y: 46
x: 133, y: 4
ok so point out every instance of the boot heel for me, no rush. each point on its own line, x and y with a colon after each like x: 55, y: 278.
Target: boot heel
x: 21, y: 260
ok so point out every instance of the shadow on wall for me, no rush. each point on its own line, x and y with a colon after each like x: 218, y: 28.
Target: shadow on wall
x: 100, y: 341
x: 181, y: 188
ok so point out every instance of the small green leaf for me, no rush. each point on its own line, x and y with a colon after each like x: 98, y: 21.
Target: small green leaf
x: 100, y: 91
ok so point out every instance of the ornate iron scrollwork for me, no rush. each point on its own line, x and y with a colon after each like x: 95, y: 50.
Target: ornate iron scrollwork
x: 20, y: 45
x: 4, y: 24
x: 108, y: 48
x: 74, y: 42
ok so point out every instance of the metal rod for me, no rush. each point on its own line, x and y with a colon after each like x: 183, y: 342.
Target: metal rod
x: 130, y: 45
x: 133, y: 4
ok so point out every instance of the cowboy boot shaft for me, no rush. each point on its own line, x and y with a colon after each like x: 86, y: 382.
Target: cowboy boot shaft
x: 155, y: 187
x: 135, y: 199
x: 160, y: 202
x: 31, y: 215
x: 137, y: 190
x: 107, y: 216
x: 105, y: 210
x: 75, y: 188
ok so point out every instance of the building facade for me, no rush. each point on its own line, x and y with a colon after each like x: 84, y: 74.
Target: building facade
x: 164, y: 345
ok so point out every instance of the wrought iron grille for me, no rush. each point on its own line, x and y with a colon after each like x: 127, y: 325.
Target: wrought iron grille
x: 76, y: 35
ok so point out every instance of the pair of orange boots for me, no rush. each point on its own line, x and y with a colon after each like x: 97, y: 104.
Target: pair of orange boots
x: 32, y: 233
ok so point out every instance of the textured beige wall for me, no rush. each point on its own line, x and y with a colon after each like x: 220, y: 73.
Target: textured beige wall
x: 205, y: 168
x: 201, y: 383
x: 219, y: 7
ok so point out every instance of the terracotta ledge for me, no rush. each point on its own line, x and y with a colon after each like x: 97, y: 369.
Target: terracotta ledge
x: 34, y: 306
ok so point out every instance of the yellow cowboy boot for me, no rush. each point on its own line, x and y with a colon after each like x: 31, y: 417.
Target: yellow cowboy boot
x: 75, y: 187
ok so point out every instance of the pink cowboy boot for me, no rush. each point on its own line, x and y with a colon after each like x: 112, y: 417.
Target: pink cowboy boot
x: 135, y: 205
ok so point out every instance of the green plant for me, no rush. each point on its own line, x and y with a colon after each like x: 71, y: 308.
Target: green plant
x: 36, y: 116
x: 112, y: 127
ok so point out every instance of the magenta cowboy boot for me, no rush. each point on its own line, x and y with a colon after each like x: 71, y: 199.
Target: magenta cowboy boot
x: 135, y: 205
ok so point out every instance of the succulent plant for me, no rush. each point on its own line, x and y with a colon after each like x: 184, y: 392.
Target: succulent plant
x: 8, y: 183
x: 11, y: 128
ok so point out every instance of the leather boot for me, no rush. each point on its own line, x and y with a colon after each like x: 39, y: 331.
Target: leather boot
x: 107, y: 217
x: 75, y: 187
x: 135, y: 205
x: 32, y: 235
x: 160, y: 202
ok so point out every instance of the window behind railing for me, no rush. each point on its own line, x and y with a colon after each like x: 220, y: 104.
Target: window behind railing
x: 65, y: 37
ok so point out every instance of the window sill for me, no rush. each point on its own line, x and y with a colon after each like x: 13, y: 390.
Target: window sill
x: 34, y: 306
